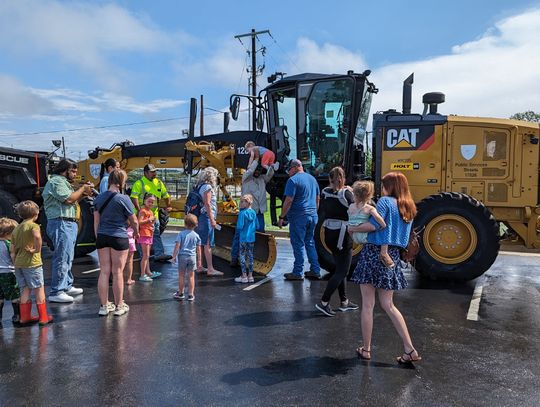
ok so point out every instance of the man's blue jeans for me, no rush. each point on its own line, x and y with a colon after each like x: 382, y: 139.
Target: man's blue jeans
x: 64, y: 237
x: 301, y: 230
x: 157, y: 244
x: 235, y: 248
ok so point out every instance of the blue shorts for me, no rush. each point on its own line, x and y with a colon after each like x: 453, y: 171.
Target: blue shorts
x: 31, y: 277
x: 205, y: 231
x: 187, y: 263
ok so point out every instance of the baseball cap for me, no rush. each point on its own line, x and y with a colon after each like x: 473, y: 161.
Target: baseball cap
x: 294, y: 163
x: 150, y: 168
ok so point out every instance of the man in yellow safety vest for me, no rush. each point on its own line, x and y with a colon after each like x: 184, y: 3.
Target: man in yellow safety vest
x: 150, y: 184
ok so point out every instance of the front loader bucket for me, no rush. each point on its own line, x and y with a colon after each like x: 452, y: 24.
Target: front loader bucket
x: 264, y: 253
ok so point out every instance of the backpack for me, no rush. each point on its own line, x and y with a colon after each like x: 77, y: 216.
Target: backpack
x: 340, y: 196
x: 194, y: 202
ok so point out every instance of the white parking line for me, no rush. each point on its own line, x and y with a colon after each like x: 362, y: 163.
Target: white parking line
x: 474, y: 307
x: 522, y: 254
x: 90, y: 271
x: 258, y: 283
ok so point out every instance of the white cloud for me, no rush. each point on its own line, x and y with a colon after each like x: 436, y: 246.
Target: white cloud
x: 69, y: 99
x: 16, y: 99
x: 82, y: 34
x: 327, y: 58
x: 224, y: 67
x: 496, y: 75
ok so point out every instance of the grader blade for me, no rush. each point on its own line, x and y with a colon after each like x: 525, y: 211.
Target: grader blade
x: 264, y: 253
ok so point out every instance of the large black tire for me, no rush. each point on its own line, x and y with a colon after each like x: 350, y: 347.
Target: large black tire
x: 7, y: 203
x: 86, y: 237
x: 326, y: 260
x: 459, y: 237
x: 163, y: 220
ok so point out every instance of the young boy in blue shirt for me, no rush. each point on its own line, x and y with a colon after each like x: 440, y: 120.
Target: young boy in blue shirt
x: 188, y: 250
x: 246, y: 224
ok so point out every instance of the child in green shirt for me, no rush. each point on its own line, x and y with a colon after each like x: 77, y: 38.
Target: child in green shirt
x: 26, y: 255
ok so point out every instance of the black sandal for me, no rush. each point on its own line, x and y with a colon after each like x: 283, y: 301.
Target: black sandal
x: 360, y: 352
x: 409, y: 359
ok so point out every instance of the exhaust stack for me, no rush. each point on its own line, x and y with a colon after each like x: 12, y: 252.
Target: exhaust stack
x: 407, y: 94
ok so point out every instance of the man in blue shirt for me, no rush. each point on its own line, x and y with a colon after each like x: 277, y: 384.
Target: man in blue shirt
x: 300, y: 206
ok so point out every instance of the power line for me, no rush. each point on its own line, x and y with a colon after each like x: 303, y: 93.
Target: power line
x: 100, y: 127
x: 286, y: 53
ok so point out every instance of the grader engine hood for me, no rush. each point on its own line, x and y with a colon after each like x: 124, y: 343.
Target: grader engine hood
x: 176, y: 148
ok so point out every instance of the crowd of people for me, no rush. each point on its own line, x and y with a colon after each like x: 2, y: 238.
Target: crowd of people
x: 127, y: 224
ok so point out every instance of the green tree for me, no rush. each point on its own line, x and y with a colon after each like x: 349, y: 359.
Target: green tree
x: 528, y: 116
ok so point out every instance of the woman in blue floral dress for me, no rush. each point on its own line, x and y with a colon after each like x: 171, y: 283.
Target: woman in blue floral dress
x: 398, y: 210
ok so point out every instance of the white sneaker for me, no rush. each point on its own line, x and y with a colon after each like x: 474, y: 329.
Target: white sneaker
x: 121, y: 309
x: 61, y: 297
x: 110, y: 306
x: 103, y: 310
x: 74, y: 291
x: 243, y: 280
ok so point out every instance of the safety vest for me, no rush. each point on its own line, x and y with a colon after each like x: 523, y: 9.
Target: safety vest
x: 145, y: 186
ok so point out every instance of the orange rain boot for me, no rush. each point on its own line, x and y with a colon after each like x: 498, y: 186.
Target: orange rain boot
x: 26, y: 314
x: 44, y: 318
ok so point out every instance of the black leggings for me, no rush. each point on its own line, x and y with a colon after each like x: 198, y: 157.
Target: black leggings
x: 342, y: 260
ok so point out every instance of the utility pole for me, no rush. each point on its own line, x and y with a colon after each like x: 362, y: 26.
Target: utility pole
x: 253, y: 34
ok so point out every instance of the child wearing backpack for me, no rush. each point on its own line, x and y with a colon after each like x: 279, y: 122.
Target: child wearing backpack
x: 188, y: 250
x: 9, y: 290
x: 26, y: 252
x: 246, y: 224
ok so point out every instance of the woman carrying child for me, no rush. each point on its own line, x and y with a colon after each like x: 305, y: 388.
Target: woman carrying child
x: 397, y: 208
x: 113, y: 211
x: 26, y: 255
x: 188, y: 250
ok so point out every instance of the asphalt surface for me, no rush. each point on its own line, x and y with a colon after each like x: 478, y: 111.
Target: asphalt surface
x: 269, y: 346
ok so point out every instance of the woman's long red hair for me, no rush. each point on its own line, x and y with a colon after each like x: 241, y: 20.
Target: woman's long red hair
x: 396, y: 185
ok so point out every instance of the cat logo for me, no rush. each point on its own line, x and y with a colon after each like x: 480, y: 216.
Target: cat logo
x: 402, y: 138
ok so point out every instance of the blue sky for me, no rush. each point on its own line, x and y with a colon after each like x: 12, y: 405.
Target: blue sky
x: 69, y: 65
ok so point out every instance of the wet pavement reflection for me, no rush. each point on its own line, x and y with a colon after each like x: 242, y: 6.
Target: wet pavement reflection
x: 269, y: 346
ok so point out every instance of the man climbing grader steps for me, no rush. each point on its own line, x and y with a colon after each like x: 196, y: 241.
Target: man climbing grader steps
x: 471, y: 177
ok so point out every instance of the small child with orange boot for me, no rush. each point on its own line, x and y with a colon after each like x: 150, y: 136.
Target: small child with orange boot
x: 188, y: 250
x: 9, y: 290
x: 26, y: 254
x: 266, y: 157
x: 146, y: 237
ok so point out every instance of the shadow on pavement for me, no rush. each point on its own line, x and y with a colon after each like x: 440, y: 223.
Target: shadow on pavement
x: 311, y: 367
x: 270, y: 318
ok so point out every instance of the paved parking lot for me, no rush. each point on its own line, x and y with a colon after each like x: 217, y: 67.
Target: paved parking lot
x: 266, y: 344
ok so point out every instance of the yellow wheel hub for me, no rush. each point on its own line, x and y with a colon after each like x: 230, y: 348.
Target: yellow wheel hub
x: 450, y: 239
x: 355, y: 250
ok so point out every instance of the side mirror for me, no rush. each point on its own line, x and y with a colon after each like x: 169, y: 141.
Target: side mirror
x: 235, y: 107
x: 260, y: 120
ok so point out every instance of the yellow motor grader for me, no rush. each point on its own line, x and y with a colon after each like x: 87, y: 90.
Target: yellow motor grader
x: 475, y: 180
